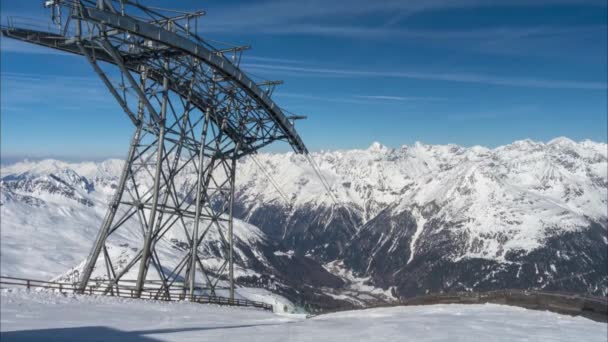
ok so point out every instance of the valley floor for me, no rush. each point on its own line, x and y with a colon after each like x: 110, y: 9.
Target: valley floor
x: 42, y: 316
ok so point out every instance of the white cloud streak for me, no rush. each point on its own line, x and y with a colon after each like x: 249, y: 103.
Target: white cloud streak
x: 311, y: 97
x: 15, y: 46
x: 22, y: 91
x: 357, y: 99
x: 429, y: 35
x: 438, y: 76
x: 290, y: 15
x: 400, y: 98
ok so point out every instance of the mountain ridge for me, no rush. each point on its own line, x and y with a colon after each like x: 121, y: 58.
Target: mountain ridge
x: 410, y: 219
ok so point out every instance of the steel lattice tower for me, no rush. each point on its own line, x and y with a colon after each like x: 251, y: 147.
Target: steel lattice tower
x: 192, y: 108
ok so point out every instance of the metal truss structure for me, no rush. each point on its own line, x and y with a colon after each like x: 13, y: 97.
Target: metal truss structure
x: 192, y: 109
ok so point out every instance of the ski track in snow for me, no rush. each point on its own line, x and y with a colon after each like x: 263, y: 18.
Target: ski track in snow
x: 43, y: 316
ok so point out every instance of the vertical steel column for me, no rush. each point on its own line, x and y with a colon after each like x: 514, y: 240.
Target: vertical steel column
x: 76, y: 14
x: 230, y: 222
x: 235, y: 154
x: 109, y: 218
x: 143, y: 266
x: 199, y: 205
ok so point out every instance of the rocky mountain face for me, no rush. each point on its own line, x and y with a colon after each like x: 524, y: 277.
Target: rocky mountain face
x: 428, y: 218
x: 405, y: 221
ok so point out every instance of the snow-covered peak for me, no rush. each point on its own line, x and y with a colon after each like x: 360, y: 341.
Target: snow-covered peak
x: 35, y: 167
x: 479, y: 149
x: 561, y: 141
x: 527, y: 142
x: 377, y: 147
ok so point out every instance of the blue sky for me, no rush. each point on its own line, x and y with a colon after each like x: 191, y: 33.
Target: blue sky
x: 468, y: 72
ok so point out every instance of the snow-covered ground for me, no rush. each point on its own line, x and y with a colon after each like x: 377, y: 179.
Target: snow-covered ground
x: 43, y: 316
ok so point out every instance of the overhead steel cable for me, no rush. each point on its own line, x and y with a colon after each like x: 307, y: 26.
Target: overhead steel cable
x: 315, y: 168
x: 324, y: 182
x: 270, y: 179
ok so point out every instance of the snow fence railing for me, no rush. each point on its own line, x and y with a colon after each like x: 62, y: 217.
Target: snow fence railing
x: 104, y: 287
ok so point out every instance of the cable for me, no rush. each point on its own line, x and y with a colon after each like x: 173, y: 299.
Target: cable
x: 269, y: 177
x: 315, y: 167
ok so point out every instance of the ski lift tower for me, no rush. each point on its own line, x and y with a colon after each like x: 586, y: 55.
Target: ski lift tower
x: 193, y: 110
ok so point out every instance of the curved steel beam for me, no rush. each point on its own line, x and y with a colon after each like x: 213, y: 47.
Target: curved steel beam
x: 56, y: 41
x: 175, y: 42
x: 160, y: 35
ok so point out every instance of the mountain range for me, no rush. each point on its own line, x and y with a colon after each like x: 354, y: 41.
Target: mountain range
x: 399, y: 222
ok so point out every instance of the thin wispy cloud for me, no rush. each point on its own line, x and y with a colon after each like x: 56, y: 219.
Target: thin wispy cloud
x: 513, y: 111
x: 316, y: 98
x: 312, y: 17
x: 399, y: 98
x: 488, y: 34
x: 296, y: 11
x: 276, y: 60
x: 21, y: 91
x: 15, y: 46
x: 440, y: 76
x: 346, y: 20
x: 356, y: 99
x: 315, y: 17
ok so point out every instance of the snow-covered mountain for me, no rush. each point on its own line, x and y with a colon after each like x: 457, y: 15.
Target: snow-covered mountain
x: 51, y: 212
x: 407, y: 220
x: 444, y: 217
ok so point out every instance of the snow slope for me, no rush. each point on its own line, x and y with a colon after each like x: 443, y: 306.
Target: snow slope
x: 48, y: 317
x: 518, y: 191
x: 51, y: 212
x: 418, y: 218
x: 48, y: 234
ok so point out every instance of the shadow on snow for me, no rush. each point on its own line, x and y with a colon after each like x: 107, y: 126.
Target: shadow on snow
x: 99, y: 333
